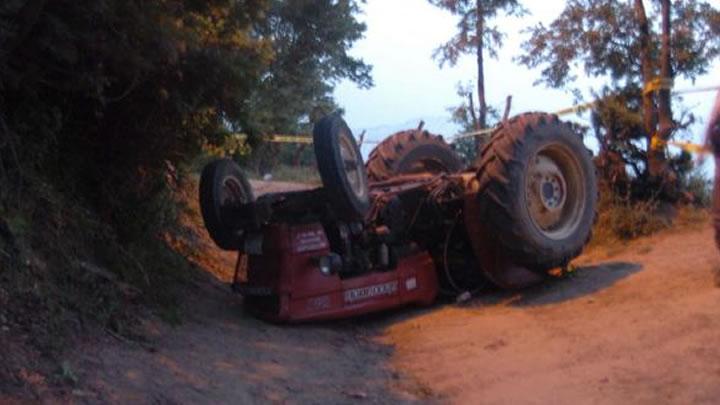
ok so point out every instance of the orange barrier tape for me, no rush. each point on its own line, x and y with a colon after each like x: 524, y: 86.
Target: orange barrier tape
x: 655, y: 84
x: 291, y: 139
x: 658, y: 83
x: 657, y: 143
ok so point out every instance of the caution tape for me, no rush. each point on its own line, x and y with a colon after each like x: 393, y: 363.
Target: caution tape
x: 657, y: 143
x: 658, y: 83
x: 577, y: 108
x: 565, y: 111
x: 280, y: 138
x: 480, y: 132
x: 291, y: 139
x: 302, y: 139
x: 697, y: 90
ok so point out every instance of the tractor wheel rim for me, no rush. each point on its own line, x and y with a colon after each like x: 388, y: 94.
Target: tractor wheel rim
x: 232, y: 196
x: 353, y: 166
x: 232, y: 193
x: 555, y: 191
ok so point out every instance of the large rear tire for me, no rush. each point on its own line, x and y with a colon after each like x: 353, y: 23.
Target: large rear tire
x: 223, y: 190
x: 341, y: 168
x: 409, y: 152
x: 538, y: 191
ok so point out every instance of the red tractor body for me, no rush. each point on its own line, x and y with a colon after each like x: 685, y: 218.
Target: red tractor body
x: 284, y: 284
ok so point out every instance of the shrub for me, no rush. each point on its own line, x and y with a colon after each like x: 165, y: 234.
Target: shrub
x: 621, y: 218
x: 698, y: 187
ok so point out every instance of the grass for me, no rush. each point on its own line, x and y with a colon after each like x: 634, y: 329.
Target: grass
x: 621, y: 220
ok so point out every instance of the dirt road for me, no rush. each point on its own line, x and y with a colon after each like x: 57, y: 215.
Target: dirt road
x: 641, y: 326
x: 221, y: 356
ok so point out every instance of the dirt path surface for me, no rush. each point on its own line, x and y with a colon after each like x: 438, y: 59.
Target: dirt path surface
x: 642, y: 326
x: 223, y: 356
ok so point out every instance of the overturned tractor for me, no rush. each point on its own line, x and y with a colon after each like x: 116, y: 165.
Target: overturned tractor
x: 410, y: 223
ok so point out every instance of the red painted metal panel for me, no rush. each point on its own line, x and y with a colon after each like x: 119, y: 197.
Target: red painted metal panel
x: 288, y: 268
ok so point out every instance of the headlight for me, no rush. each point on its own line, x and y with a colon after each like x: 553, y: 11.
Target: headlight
x: 329, y: 264
x: 325, y: 266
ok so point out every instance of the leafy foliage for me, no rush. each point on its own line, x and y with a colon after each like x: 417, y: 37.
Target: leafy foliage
x: 473, y: 29
x: 475, y: 36
x: 621, y: 218
x: 310, y: 41
x: 111, y: 98
x: 605, y: 39
x: 602, y: 37
x: 467, y: 147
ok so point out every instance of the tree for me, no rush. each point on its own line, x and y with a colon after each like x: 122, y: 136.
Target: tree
x: 103, y: 96
x: 475, y: 35
x: 617, y: 40
x: 311, y: 39
x: 465, y: 117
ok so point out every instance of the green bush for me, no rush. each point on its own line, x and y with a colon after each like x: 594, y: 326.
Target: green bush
x: 621, y: 218
x: 698, y: 187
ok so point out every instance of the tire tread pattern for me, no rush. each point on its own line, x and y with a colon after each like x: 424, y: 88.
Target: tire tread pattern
x: 384, y: 159
x: 495, y: 162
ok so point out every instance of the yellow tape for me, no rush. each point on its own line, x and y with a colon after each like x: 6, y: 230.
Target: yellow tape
x: 690, y: 147
x: 658, y: 83
x: 306, y: 139
x: 474, y: 133
x: 657, y: 143
x: 280, y: 138
x: 564, y: 111
x: 697, y: 90
x: 576, y: 108
x: 291, y: 139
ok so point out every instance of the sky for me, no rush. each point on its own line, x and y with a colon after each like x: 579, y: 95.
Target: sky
x: 409, y: 85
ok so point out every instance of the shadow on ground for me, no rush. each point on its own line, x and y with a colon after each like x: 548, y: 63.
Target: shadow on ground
x: 582, y: 282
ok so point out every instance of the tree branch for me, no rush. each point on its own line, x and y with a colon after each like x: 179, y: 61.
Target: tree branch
x: 508, y: 104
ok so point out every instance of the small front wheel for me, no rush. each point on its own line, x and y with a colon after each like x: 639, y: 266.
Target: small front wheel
x: 224, y: 190
x: 341, y: 168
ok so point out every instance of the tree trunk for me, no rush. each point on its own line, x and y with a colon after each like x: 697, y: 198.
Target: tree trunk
x: 471, y: 108
x: 656, y: 162
x: 479, y: 31
x: 298, y: 154
x: 648, y: 104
